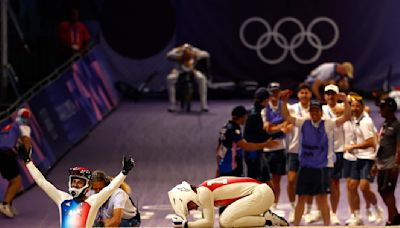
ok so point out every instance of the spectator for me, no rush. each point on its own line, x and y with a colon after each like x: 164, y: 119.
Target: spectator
x: 75, y: 208
x: 363, y: 147
x: 231, y: 144
x: 254, y: 132
x: 315, y: 156
x: 247, y: 202
x: 388, y: 158
x: 186, y: 57
x: 274, y: 157
x: 119, y: 210
x: 73, y: 36
x: 333, y: 110
x: 330, y: 73
x: 17, y: 134
x: 300, y: 109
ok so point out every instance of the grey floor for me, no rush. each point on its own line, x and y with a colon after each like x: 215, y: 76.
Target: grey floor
x: 168, y: 148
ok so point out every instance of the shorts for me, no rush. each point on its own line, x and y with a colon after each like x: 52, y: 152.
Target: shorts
x: 253, y: 164
x: 337, y: 171
x: 8, y: 165
x: 347, y: 167
x: 313, y: 181
x: 277, y: 162
x: 293, y: 163
x: 362, y: 170
x: 387, y: 181
x: 265, y: 173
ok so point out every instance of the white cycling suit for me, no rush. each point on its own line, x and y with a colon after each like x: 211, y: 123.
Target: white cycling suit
x: 74, y: 213
x: 246, y: 199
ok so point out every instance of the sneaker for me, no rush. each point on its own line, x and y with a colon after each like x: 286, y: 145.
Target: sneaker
x: 291, y: 216
x: 379, y: 216
x: 356, y: 222
x: 204, y: 109
x: 370, y: 215
x: 274, y: 219
x: 350, y: 220
x: 312, y: 217
x: 6, y: 210
x: 171, y: 109
x: 14, y: 210
x: 334, y: 219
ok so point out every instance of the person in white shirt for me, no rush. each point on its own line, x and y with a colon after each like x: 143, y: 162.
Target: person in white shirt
x: 299, y: 109
x: 119, y: 210
x: 333, y: 110
x: 186, y: 57
x: 363, y: 147
x: 247, y: 201
x: 315, y: 155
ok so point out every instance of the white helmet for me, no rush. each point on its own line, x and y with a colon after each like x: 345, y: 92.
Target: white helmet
x: 180, y: 196
x: 23, y: 116
x: 81, y: 173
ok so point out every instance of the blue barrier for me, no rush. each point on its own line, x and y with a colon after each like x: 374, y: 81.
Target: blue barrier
x: 64, y: 111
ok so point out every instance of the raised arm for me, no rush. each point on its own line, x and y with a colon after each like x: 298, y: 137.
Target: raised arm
x: 346, y: 111
x: 284, y: 107
x: 56, y: 195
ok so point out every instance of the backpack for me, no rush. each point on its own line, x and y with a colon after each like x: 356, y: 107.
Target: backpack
x: 9, y: 135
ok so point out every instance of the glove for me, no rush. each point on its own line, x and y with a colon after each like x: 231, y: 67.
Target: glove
x: 127, y: 165
x: 24, y: 154
x: 178, y: 221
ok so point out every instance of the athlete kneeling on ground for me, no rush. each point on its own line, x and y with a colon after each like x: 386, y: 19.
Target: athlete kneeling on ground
x: 247, y: 201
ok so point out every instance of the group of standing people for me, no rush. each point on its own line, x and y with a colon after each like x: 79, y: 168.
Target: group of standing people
x: 315, y: 143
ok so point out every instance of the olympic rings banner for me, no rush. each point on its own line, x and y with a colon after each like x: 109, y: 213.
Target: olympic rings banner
x: 284, y: 40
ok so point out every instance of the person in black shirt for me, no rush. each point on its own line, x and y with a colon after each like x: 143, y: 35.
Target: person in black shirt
x: 254, y: 132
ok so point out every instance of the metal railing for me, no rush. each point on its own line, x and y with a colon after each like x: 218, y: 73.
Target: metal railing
x: 38, y: 87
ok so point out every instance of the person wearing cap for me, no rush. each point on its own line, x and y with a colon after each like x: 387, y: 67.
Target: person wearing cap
x: 186, y: 57
x: 119, y: 209
x: 388, y: 158
x: 231, y: 145
x: 273, y: 160
x: 333, y: 110
x: 254, y: 132
x: 361, y: 142
x: 21, y: 132
x: 300, y: 109
x: 246, y: 200
x: 315, y: 155
x: 330, y: 73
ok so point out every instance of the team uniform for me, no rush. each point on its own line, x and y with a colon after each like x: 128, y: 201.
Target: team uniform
x: 293, y: 138
x: 338, y: 142
x: 231, y: 163
x: 74, y: 213
x: 120, y: 199
x: 274, y: 158
x: 316, y: 156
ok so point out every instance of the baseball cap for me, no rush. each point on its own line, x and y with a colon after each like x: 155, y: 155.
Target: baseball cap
x: 239, y: 111
x: 331, y: 87
x: 315, y: 104
x: 261, y: 94
x: 273, y: 86
x: 390, y: 102
x: 348, y: 68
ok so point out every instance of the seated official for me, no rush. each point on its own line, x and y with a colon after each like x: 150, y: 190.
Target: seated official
x: 118, y: 210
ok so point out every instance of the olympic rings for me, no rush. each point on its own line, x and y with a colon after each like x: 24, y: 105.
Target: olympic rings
x: 295, y: 42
